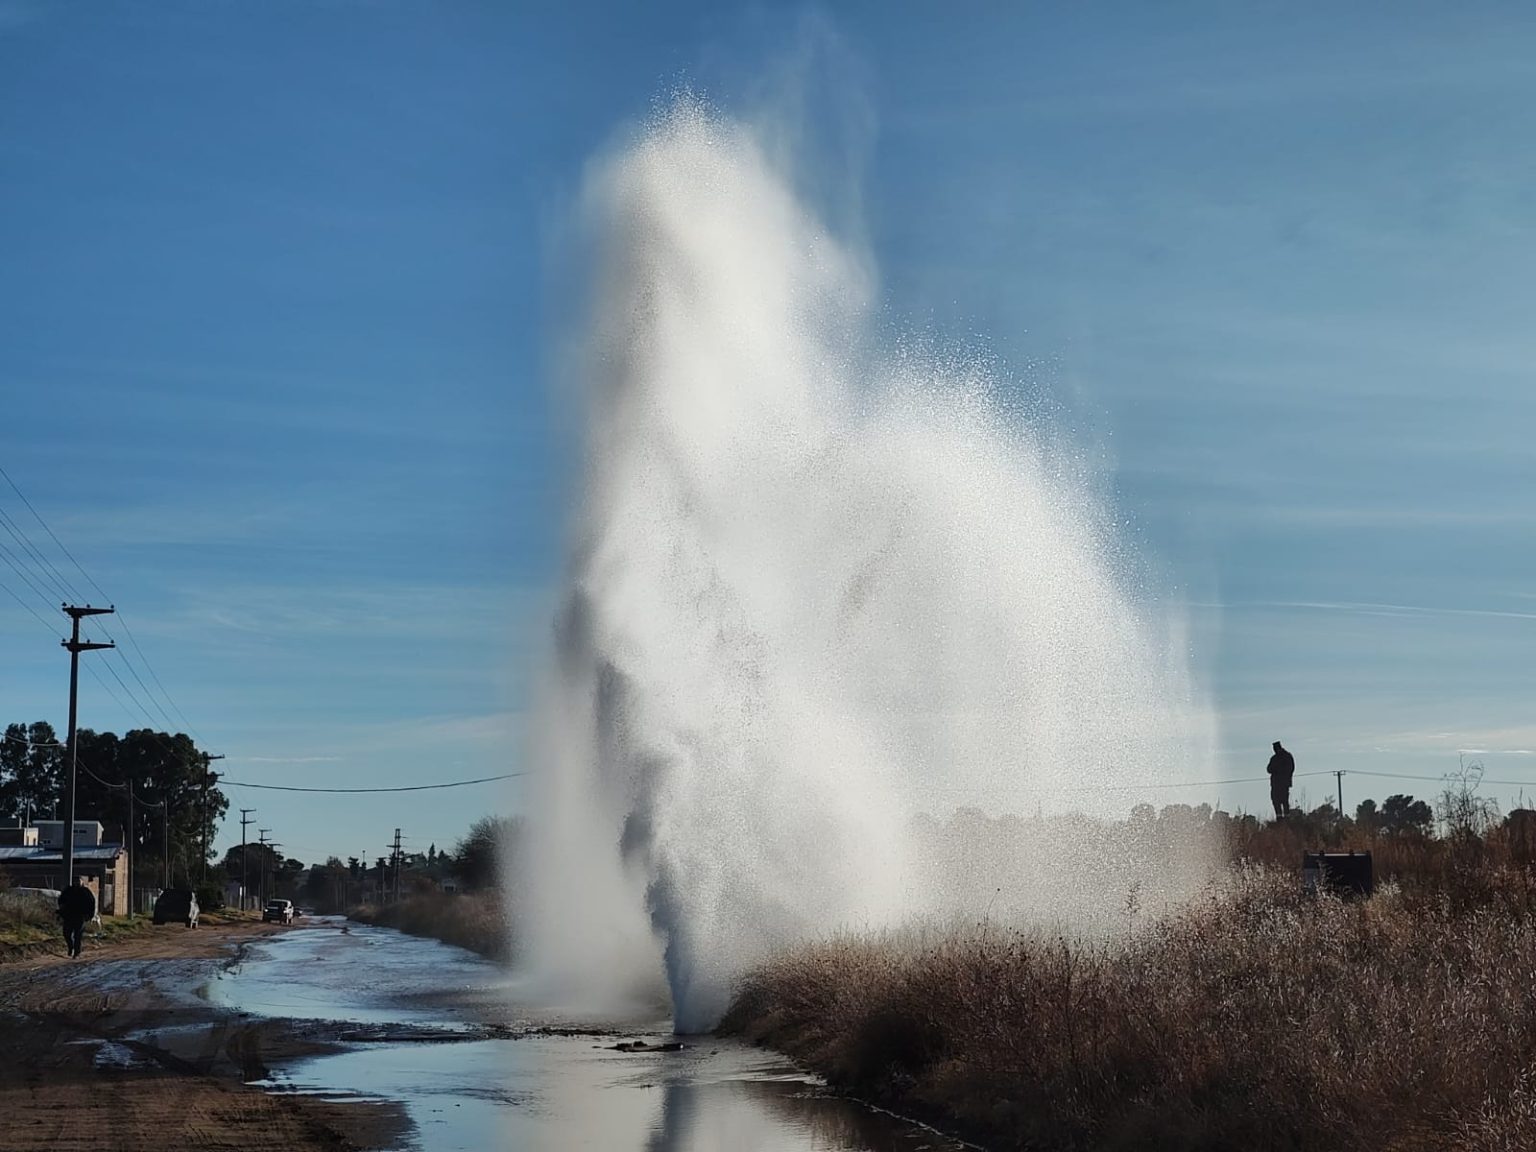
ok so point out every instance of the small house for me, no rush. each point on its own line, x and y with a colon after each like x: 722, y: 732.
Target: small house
x: 34, y: 858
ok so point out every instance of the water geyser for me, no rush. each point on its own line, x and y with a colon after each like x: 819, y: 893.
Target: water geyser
x: 818, y: 583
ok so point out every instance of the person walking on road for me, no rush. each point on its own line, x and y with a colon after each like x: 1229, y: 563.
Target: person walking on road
x: 77, y: 904
x: 1282, y: 766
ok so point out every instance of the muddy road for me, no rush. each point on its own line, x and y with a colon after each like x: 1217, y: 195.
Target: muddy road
x: 330, y: 1035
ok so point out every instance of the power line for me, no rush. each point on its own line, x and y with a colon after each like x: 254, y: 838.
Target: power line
x: 137, y: 703
x: 137, y: 799
x: 1194, y: 783
x: 1448, y: 777
x: 150, y: 669
x: 128, y: 712
x: 1176, y: 784
x: 38, y: 517
x: 11, y: 561
x: 98, y: 779
x: 407, y: 788
x: 32, y: 743
x: 143, y: 711
x: 107, y: 688
x: 12, y: 594
x: 36, y: 556
x: 134, y: 672
x: 63, y: 582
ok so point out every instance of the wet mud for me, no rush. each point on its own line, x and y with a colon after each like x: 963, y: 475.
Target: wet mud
x: 312, y: 1037
x: 116, y: 1050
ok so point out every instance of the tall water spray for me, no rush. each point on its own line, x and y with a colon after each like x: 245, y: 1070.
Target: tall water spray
x: 815, y: 588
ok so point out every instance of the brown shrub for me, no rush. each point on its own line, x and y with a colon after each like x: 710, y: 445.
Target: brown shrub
x: 473, y: 920
x: 1256, y: 1018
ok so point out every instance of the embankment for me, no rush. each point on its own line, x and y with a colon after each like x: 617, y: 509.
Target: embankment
x: 473, y: 920
x: 1257, y: 1018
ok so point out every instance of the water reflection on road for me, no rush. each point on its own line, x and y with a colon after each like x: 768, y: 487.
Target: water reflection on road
x: 440, y: 1030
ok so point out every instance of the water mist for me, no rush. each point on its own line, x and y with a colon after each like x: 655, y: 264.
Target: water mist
x: 816, y: 587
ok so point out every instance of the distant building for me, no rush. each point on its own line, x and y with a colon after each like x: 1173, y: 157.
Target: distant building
x: 88, y: 833
x: 13, y: 835
x: 34, y: 858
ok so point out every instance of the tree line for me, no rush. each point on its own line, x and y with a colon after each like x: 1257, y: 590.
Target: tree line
x: 476, y: 863
x: 157, y: 783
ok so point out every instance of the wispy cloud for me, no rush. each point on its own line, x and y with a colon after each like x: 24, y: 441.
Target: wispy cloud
x: 432, y: 737
x: 283, y: 759
x: 1365, y: 608
x: 1470, y: 740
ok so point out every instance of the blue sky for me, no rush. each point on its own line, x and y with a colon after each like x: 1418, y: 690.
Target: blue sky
x: 276, y: 282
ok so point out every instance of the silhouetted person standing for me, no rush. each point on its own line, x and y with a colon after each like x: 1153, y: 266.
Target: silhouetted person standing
x: 77, y: 904
x: 1282, y: 766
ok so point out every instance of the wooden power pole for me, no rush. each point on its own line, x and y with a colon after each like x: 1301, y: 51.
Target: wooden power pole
x: 75, y: 646
x: 245, y: 820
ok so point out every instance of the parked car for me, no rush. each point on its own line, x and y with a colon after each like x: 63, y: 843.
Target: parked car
x: 176, y: 906
x: 278, y: 912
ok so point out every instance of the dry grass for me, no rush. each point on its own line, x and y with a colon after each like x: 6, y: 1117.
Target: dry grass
x: 1256, y: 1018
x: 474, y: 920
x: 25, y: 919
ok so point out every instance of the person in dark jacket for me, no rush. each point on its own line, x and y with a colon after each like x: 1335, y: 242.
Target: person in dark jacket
x: 77, y: 904
x: 1282, y: 766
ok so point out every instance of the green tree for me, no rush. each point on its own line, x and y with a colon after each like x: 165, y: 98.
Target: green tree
x: 480, y: 854
x: 101, y: 792
x: 169, y: 770
x: 1401, y: 815
x: 261, y: 862
x: 325, y: 887
x: 1367, y: 817
x: 31, y: 771
x: 160, y: 767
x: 285, y: 881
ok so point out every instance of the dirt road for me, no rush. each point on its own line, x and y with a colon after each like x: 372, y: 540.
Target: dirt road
x: 116, y: 1050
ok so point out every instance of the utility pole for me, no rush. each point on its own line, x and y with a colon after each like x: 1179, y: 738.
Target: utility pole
x: 133, y: 848
x: 398, y: 862
x: 261, y: 840
x: 75, y: 646
x: 165, y: 833
x: 245, y: 818
x: 1339, y: 777
x: 209, y: 779
x: 131, y: 845
x: 274, y: 845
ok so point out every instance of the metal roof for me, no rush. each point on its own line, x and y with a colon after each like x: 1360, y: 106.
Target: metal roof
x: 27, y: 854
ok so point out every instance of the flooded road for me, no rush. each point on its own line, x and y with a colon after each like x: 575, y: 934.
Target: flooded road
x: 439, y: 1030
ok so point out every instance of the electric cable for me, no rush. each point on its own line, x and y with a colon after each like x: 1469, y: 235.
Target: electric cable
x: 63, y: 582
x: 12, y: 594
x: 44, y: 565
x: 1449, y: 777
x: 11, y: 559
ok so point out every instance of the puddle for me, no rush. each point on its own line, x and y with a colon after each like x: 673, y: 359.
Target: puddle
x: 397, y: 998
x: 366, y: 976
